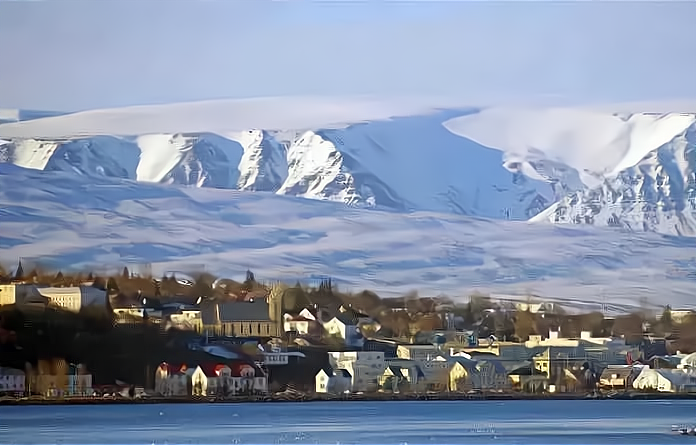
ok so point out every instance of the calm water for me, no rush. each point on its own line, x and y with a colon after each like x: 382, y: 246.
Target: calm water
x: 581, y: 422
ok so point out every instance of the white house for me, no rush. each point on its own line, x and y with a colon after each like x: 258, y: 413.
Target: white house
x: 302, y: 324
x: 173, y: 381
x: 12, y: 380
x: 419, y: 353
x: 665, y: 380
x: 211, y: 380
x: 346, y: 328
x: 365, y: 368
x: 336, y: 382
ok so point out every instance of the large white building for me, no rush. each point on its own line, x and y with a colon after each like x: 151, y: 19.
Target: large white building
x: 12, y: 381
x: 71, y: 298
x: 364, y: 367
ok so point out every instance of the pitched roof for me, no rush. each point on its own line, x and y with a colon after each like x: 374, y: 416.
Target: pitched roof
x: 395, y: 370
x: 526, y: 370
x: 497, y: 365
x: 256, y: 310
x: 343, y: 373
x: 212, y: 369
x: 621, y: 373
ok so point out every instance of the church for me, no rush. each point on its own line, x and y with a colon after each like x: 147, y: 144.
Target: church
x: 259, y: 317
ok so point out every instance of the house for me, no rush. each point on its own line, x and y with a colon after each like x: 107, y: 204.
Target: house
x: 345, y: 327
x: 562, y: 366
x: 393, y: 379
x: 332, y: 381
x: 187, y: 319
x: 436, y: 373
x: 173, y: 380
x: 365, y: 368
x: 665, y: 380
x: 302, y: 325
x: 463, y: 375
x: 618, y: 377
x: 492, y: 375
x: 402, y: 376
x: 679, y: 315
x: 128, y: 314
x: 420, y: 353
x: 12, y: 381
x: 21, y: 294
x: 527, y: 378
x: 210, y: 380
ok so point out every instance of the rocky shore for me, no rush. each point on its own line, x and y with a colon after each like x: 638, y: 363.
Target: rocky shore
x: 299, y: 397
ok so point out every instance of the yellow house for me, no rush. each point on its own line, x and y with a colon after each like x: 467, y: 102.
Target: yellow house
x: 528, y: 379
x: 8, y: 294
x: 463, y: 375
x: 403, y: 377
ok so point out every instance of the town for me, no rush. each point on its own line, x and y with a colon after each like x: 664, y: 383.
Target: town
x: 129, y: 336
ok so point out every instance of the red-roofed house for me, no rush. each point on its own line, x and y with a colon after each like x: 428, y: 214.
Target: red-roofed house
x: 173, y: 380
x: 209, y: 379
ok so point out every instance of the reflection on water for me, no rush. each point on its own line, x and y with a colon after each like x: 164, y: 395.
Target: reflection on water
x: 539, y: 422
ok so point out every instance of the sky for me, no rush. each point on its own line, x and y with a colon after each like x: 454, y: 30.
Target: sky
x: 73, y: 55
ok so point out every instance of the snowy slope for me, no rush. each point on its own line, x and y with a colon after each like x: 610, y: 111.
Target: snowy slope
x: 8, y: 115
x: 635, y: 170
x: 104, y: 222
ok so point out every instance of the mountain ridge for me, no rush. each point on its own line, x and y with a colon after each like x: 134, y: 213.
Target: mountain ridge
x: 544, y: 164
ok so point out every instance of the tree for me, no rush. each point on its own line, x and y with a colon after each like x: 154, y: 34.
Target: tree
x: 112, y: 285
x: 592, y: 322
x: 99, y: 283
x: 249, y: 281
x: 125, y: 274
x: 629, y: 326
x: 666, y: 319
x: 525, y: 325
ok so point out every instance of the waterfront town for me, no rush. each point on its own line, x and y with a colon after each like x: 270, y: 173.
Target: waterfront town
x: 131, y: 336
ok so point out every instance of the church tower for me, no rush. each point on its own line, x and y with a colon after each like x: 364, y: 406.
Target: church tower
x: 275, y: 306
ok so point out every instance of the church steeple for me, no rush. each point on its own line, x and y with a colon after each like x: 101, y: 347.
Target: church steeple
x: 275, y: 305
x: 19, y: 273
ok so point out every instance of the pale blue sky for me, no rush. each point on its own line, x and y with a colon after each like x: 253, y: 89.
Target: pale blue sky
x: 78, y: 54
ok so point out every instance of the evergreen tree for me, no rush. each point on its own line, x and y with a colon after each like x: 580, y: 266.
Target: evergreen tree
x: 111, y: 285
x: 126, y: 274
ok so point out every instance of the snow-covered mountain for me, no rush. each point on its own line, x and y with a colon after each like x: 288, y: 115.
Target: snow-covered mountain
x: 631, y: 170
x: 602, y: 166
x: 68, y: 220
x: 403, y: 164
x: 657, y: 194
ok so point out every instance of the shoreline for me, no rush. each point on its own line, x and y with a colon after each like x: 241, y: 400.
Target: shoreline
x: 351, y: 398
